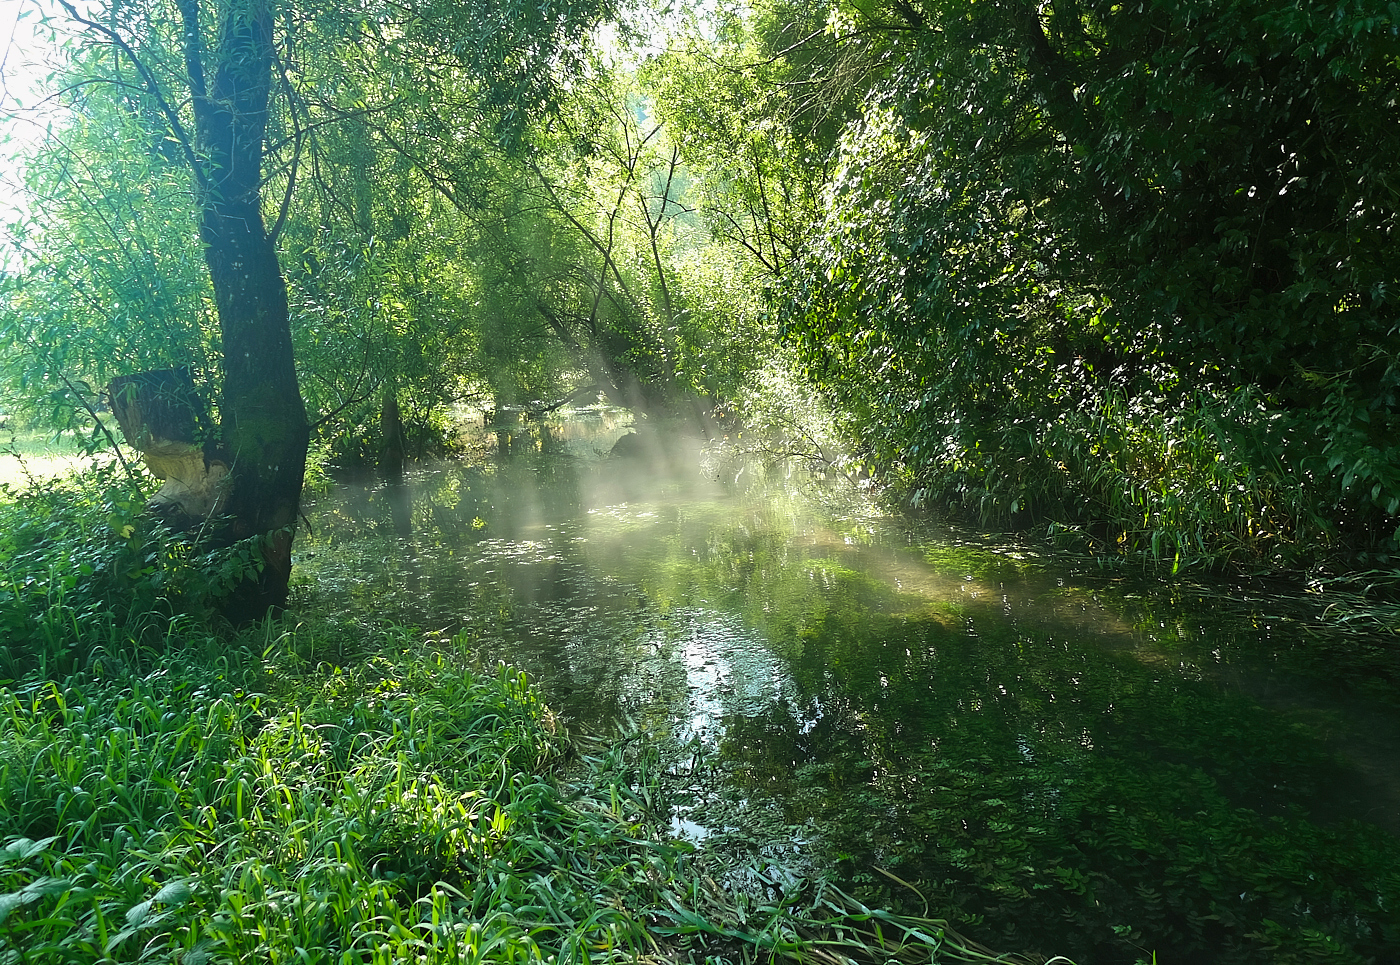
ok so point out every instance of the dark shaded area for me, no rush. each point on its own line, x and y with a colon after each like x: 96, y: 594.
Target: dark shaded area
x: 1124, y: 270
x: 391, y: 463
x: 162, y: 404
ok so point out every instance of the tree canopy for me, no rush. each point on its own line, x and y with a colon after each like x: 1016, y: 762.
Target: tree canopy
x: 1127, y: 269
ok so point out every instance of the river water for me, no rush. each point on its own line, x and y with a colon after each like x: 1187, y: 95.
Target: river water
x: 1061, y: 758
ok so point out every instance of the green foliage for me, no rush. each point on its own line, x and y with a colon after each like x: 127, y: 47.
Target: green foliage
x: 1130, y: 217
x: 391, y: 809
x: 110, y: 278
x: 86, y: 574
x: 467, y: 200
x: 454, y: 251
x: 780, y: 432
x: 385, y: 120
x: 1182, y: 483
x: 594, y: 255
x: 243, y: 804
x: 380, y: 296
x: 748, y: 95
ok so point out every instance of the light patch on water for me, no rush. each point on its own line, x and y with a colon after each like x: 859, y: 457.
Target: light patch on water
x: 687, y: 830
x: 518, y: 551
x: 708, y: 667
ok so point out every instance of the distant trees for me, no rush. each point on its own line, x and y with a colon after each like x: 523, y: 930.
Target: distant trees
x: 605, y: 252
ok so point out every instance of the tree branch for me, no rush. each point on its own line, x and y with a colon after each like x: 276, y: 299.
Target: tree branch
x: 172, y: 117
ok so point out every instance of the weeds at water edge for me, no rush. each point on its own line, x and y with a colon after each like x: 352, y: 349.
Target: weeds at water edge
x: 408, y: 808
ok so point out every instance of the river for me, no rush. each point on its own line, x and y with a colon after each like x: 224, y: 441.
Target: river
x: 1058, y: 756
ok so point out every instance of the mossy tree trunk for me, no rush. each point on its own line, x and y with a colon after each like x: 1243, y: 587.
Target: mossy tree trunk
x: 264, y: 431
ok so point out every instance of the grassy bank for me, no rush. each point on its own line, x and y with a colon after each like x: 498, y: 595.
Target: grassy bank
x: 398, y: 810
x: 30, y: 455
x: 316, y: 793
x: 236, y: 803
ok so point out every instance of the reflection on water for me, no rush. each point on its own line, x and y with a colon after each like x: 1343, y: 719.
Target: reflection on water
x: 1074, y: 761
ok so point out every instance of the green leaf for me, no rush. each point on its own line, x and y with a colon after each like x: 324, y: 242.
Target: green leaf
x: 175, y: 893
x: 32, y: 892
x: 21, y: 849
x: 138, y: 913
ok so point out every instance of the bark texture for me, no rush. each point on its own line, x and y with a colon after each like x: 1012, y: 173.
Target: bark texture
x: 162, y: 416
x: 264, y: 432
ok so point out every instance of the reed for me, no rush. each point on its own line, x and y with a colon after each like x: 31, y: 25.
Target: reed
x: 1202, y: 482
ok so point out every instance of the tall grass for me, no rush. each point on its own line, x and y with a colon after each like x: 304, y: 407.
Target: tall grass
x: 408, y: 809
x: 362, y: 816
x: 86, y: 573
x: 1189, y: 485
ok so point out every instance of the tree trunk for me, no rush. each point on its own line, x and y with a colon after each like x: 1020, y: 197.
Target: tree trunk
x: 163, y: 417
x: 264, y: 431
x: 391, y: 462
x: 391, y: 458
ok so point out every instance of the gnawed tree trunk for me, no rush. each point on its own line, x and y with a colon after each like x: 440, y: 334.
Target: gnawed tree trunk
x: 264, y: 432
x: 162, y: 417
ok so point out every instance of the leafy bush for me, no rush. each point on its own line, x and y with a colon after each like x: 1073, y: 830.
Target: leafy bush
x: 358, y: 438
x: 1204, y: 481
x: 1060, y: 242
x: 84, y: 570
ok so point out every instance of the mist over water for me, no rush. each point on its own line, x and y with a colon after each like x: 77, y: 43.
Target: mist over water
x: 865, y: 690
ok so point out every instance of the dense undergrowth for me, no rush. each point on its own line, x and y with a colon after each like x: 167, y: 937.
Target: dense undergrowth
x: 1206, y: 482
x: 1024, y: 307
x: 174, y: 793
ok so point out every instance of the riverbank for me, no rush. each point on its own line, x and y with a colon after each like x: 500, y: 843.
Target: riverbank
x: 1053, y: 760
x: 333, y: 792
x: 246, y: 800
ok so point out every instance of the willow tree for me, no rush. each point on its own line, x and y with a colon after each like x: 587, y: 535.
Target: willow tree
x: 756, y: 98
x: 207, y: 86
x: 234, y: 97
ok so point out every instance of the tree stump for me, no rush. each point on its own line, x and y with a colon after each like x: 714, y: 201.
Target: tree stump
x: 162, y: 417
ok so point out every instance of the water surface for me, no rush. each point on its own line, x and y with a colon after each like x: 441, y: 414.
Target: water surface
x: 1064, y: 759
